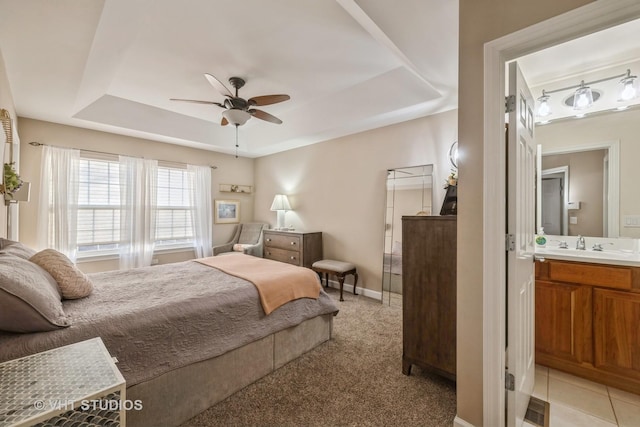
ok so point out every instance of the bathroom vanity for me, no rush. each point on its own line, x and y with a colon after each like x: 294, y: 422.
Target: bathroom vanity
x: 588, y: 315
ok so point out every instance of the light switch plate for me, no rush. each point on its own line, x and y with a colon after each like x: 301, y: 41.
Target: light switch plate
x: 632, y: 221
x: 573, y: 220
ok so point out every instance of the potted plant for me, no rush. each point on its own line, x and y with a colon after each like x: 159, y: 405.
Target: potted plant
x: 12, y: 181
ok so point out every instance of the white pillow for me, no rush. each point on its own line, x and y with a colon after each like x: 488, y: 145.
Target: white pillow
x: 72, y: 282
x: 239, y: 247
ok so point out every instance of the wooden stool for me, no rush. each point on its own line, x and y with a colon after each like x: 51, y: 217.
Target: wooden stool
x: 337, y: 268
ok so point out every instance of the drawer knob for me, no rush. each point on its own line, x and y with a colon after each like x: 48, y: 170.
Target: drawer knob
x: 293, y: 258
x: 293, y: 243
x: 268, y: 240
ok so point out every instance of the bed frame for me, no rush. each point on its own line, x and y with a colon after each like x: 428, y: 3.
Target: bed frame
x: 179, y: 395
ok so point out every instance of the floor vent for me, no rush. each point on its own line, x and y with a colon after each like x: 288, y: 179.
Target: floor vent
x: 538, y: 412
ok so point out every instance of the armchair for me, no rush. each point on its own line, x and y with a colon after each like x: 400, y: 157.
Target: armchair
x: 249, y: 235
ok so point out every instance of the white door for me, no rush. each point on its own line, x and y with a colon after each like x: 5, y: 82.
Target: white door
x: 521, y: 225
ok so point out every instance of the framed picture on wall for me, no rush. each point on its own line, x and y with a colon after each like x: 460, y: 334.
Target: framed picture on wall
x: 227, y: 212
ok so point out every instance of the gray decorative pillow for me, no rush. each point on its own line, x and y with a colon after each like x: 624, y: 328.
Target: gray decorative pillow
x: 29, y: 297
x: 72, y: 282
x: 10, y: 247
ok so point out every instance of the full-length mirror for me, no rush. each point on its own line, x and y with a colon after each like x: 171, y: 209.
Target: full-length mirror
x: 409, y: 192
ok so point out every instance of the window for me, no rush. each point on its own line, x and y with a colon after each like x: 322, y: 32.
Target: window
x: 173, y: 218
x: 99, y: 208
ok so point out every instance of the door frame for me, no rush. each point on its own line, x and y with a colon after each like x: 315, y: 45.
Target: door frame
x: 585, y: 20
x: 564, y: 172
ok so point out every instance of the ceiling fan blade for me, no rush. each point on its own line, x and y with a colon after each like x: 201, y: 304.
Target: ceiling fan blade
x: 268, y: 99
x: 198, y: 102
x: 218, y: 85
x: 224, y: 122
x: 265, y: 116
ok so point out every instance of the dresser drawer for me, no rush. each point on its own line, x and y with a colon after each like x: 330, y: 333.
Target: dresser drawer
x: 290, y: 243
x: 291, y: 257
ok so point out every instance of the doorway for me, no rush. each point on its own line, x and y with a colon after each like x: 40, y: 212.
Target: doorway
x: 588, y: 19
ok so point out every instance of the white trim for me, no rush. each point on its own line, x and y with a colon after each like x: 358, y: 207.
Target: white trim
x: 590, y: 18
x: 459, y: 422
x: 361, y: 291
x: 613, y: 205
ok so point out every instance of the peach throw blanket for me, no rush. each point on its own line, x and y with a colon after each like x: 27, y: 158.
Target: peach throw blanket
x: 277, y: 282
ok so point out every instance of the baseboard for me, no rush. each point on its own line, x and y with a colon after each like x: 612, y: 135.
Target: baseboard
x: 361, y: 291
x: 459, y: 422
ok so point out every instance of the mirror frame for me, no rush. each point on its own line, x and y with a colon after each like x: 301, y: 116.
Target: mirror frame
x: 613, y: 179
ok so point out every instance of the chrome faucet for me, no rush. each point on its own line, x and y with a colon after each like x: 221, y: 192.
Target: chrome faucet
x: 580, y: 244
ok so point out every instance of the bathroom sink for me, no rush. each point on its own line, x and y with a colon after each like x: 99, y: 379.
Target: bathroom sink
x: 604, y: 256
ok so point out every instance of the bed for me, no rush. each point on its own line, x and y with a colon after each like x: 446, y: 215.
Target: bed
x: 186, y: 335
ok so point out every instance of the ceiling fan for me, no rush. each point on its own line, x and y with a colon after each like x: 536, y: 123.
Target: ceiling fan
x: 239, y: 110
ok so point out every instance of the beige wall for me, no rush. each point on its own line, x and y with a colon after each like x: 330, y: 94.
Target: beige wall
x: 623, y: 126
x: 230, y: 171
x: 480, y: 22
x: 339, y: 186
x: 6, y: 102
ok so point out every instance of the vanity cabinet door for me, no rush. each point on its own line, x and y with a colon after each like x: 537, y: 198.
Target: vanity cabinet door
x: 617, y: 332
x: 563, y: 322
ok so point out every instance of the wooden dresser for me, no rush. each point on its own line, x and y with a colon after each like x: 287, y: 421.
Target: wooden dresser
x: 429, y: 294
x: 293, y: 247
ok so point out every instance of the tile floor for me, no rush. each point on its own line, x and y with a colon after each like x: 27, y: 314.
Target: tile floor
x: 576, y: 402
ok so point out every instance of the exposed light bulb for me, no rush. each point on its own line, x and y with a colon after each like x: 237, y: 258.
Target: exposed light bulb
x: 582, y: 100
x: 544, y: 109
x: 629, y: 91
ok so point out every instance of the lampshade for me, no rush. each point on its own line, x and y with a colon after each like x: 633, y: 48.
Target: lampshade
x: 583, y: 97
x: 236, y: 117
x: 280, y: 203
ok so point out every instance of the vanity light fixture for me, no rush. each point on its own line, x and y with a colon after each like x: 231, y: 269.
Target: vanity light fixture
x: 629, y: 89
x: 544, y: 109
x: 584, y: 96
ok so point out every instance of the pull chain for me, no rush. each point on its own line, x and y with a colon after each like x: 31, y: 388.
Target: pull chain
x: 236, y: 141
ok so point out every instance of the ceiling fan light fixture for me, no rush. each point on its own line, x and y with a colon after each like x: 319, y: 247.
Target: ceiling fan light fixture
x: 583, y: 97
x: 236, y: 117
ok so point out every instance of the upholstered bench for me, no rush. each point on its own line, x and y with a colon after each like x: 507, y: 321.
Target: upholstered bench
x: 337, y: 268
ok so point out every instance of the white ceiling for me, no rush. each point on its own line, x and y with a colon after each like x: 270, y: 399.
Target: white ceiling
x: 348, y: 65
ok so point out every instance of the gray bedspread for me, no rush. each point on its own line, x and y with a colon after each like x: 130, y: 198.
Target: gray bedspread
x: 156, y: 319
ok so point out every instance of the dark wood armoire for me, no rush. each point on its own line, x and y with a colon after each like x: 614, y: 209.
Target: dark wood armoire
x: 429, y: 294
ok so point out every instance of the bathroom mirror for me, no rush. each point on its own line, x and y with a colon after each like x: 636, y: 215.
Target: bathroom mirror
x: 409, y: 192
x: 579, y: 190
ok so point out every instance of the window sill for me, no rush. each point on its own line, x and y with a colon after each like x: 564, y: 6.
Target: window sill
x: 112, y: 256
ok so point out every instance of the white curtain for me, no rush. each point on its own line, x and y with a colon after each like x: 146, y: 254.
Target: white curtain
x: 59, y: 197
x: 138, y: 193
x: 201, y: 212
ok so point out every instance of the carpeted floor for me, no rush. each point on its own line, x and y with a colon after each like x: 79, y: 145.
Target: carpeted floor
x: 353, y: 380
